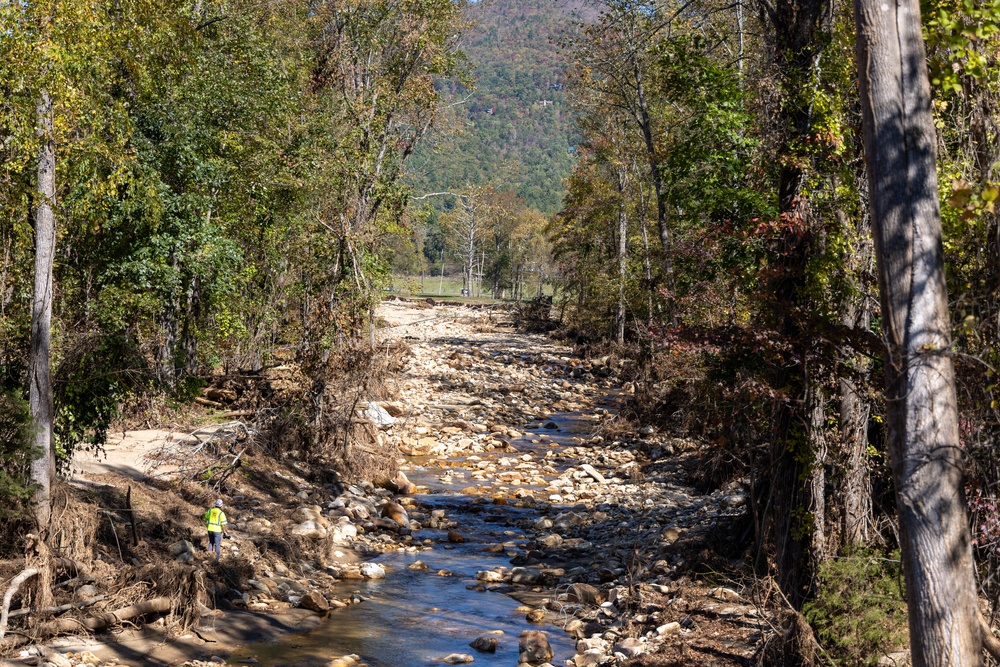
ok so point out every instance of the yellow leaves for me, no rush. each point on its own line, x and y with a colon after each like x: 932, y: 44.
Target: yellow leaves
x: 961, y: 193
x: 969, y: 203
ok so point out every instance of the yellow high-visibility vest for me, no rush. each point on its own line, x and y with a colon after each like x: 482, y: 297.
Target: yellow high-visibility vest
x: 215, y: 519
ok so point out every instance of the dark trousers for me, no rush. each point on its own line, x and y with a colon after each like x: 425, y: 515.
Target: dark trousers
x: 215, y: 543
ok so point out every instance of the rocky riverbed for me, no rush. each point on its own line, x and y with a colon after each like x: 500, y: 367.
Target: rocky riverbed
x: 527, y: 524
x: 514, y: 486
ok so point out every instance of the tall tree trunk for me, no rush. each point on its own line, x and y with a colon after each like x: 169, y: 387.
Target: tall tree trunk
x: 921, y: 400
x: 646, y: 126
x: 39, y: 363
x: 817, y: 477
x: 796, y: 26
x: 855, y: 411
x: 645, y: 253
x: 622, y: 249
x: 857, y: 502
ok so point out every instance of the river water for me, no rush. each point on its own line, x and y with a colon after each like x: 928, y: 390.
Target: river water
x: 415, y: 617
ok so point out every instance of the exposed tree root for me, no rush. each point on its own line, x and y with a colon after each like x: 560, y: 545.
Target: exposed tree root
x: 160, y: 605
x: 990, y: 642
x: 15, y: 584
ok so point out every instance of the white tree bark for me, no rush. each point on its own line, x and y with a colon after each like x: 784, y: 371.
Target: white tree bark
x: 622, y: 255
x: 39, y: 362
x: 920, y: 384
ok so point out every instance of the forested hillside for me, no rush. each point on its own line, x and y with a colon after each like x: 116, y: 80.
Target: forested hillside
x: 513, y: 129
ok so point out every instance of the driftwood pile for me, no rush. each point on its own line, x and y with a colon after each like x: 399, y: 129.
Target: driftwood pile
x: 209, y: 454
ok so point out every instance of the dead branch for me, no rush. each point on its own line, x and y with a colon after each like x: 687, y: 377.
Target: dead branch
x: 75, y: 580
x: 89, y: 602
x: 15, y: 584
x: 208, y: 454
x: 209, y: 403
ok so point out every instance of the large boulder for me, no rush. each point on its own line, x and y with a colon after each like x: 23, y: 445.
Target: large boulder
x: 629, y: 647
x: 309, y: 529
x: 533, y: 648
x: 403, y: 484
x: 590, y: 470
x: 398, y: 484
x: 315, y: 602
x: 589, y: 658
x: 181, y: 547
x: 342, y: 532
x: 312, y: 513
x: 485, y: 644
x: 526, y: 575
x: 372, y: 571
x: 378, y: 415
x: 396, y: 512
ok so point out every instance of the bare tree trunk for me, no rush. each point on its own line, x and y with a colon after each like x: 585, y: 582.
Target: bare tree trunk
x: 818, y: 446
x: 39, y: 363
x: 645, y: 251
x: 855, y: 412
x: 920, y: 381
x: 646, y: 126
x: 854, y: 415
x: 189, y: 336
x: 622, y: 249
x: 795, y: 31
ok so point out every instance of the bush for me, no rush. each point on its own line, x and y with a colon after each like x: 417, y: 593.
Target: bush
x: 859, y: 613
x: 15, y: 459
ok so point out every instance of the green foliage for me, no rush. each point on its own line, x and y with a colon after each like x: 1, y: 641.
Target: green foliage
x: 228, y: 175
x: 953, y: 30
x: 859, y: 613
x: 92, y: 383
x: 15, y: 459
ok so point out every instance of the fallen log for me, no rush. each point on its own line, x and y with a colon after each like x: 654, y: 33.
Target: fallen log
x: 160, y: 605
x: 204, y: 401
x: 15, y: 584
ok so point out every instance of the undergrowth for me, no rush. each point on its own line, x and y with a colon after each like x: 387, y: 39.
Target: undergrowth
x: 859, y: 613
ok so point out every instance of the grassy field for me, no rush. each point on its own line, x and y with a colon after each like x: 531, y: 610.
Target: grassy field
x: 449, y: 288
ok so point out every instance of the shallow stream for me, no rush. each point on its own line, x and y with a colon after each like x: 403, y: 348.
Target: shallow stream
x: 415, y: 617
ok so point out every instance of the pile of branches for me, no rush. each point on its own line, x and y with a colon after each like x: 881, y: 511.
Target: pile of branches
x: 209, y: 454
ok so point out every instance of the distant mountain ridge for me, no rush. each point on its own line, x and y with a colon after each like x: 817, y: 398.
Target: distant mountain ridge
x: 515, y: 130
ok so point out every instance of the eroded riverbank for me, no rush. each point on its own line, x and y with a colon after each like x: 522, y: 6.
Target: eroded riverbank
x: 527, y: 507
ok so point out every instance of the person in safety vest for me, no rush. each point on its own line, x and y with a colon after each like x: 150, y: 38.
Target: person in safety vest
x: 215, y: 523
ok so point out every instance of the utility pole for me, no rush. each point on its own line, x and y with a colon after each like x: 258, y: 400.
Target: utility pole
x: 441, y: 281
